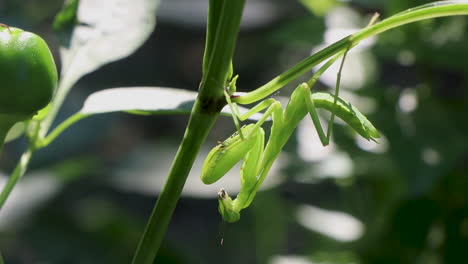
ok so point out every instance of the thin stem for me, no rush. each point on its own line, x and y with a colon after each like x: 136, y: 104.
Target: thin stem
x: 7, y: 123
x: 59, y: 129
x: 433, y: 10
x: 437, y: 9
x: 65, y: 85
x: 1, y: 259
x: 291, y: 74
x: 16, y: 175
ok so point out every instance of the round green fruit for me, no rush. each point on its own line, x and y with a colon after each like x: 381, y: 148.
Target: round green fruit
x: 28, y: 73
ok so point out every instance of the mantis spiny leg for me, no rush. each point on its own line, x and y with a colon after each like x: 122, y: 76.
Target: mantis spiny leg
x: 325, y: 139
x: 337, y: 91
x: 338, y: 82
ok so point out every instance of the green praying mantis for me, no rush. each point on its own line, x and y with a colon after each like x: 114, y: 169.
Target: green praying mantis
x: 248, y: 143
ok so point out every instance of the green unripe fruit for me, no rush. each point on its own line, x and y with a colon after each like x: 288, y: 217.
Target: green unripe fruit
x: 29, y: 75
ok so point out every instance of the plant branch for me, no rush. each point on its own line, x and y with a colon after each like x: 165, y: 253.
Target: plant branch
x: 433, y: 10
x: 43, y: 142
x: 63, y: 89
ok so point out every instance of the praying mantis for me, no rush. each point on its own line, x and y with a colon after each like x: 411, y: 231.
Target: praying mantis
x: 248, y: 142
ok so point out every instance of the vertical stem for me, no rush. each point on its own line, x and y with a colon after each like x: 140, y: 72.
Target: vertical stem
x: 16, y: 175
x: 65, y: 85
x: 216, y: 67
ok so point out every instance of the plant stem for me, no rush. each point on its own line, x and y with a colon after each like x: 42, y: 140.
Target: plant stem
x: 63, y: 89
x: 223, y: 21
x: 437, y: 9
x: 44, y: 142
x: 16, y: 175
x: 433, y: 10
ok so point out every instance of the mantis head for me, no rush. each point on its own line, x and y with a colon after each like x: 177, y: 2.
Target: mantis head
x: 226, y: 207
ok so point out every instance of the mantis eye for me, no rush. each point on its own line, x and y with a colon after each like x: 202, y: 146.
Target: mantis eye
x: 222, y: 194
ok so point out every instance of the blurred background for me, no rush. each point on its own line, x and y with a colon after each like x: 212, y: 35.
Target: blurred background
x: 87, y: 197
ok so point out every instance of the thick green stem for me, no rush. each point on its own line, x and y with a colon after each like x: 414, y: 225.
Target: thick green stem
x: 218, y: 53
x: 198, y: 127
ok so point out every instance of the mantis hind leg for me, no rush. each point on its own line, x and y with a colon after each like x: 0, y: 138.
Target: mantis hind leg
x: 335, y: 101
x: 324, y: 138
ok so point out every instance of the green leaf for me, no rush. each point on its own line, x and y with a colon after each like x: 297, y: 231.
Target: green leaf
x: 135, y: 100
x: 15, y: 132
x: 66, y: 19
x: 145, y: 101
x: 107, y: 31
x: 319, y: 8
